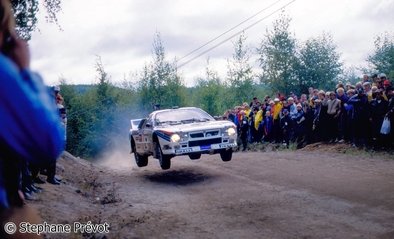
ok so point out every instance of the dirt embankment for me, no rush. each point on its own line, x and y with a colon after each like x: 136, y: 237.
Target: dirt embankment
x: 318, y: 192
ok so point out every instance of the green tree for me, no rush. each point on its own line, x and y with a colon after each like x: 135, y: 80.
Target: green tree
x: 240, y: 74
x: 159, y: 82
x: 382, y: 59
x: 318, y: 65
x: 208, y: 92
x: 26, y: 11
x: 278, y: 56
x: 350, y: 75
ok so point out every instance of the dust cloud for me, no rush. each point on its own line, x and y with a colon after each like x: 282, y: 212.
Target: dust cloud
x: 118, y: 159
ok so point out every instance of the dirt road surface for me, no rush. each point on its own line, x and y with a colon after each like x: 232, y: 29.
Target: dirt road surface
x: 282, y: 194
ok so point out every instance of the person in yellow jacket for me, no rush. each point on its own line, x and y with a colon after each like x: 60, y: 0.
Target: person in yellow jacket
x: 275, y: 111
x: 246, y: 109
x: 258, y: 118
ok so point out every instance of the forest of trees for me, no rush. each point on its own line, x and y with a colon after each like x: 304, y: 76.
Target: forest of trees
x: 99, y: 114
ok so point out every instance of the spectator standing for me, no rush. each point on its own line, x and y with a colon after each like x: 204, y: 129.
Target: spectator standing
x: 360, y: 118
x: 323, y: 116
x: 267, y: 126
x: 31, y: 132
x: 286, y: 127
x: 275, y: 112
x: 349, y: 124
x: 333, y: 112
x: 299, y: 126
x: 343, y: 116
x: 390, y: 115
x: 258, y: 118
x: 316, y: 124
x: 378, y: 111
x: 244, y: 123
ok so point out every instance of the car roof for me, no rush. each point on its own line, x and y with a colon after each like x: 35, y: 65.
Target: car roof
x: 165, y: 110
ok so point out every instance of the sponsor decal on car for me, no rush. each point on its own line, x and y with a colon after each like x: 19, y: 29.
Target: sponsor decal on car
x: 164, y: 135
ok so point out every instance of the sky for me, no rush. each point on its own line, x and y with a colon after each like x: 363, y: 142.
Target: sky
x: 121, y: 33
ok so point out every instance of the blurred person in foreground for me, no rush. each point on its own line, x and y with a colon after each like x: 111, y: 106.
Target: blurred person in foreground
x: 30, y: 129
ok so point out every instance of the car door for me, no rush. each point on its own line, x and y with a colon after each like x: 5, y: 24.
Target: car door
x: 138, y: 137
x: 147, y: 136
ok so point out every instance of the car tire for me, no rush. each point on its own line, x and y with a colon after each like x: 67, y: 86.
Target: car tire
x: 164, y: 160
x: 195, y: 156
x: 226, y: 154
x: 132, y: 146
x: 140, y: 160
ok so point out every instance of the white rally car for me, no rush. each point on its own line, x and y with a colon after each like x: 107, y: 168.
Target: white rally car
x: 183, y: 131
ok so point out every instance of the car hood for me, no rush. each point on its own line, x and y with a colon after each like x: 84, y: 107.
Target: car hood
x: 208, y: 125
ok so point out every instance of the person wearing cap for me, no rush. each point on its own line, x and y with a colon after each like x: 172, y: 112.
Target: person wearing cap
x: 382, y: 76
x: 378, y: 111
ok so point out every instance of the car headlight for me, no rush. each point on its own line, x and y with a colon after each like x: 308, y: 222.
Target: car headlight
x: 230, y: 131
x: 175, y: 138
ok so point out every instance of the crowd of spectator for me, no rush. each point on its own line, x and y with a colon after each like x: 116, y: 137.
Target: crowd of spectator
x: 351, y: 114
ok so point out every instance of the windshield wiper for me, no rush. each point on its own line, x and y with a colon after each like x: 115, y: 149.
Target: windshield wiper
x: 170, y: 122
x: 195, y: 120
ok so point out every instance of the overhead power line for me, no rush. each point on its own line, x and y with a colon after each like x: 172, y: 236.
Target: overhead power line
x: 229, y: 30
x: 229, y: 38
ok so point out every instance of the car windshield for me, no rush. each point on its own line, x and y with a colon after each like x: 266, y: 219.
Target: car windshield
x: 182, y: 116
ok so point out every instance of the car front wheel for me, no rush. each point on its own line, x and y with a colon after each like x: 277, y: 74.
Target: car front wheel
x: 226, y: 154
x: 165, y: 160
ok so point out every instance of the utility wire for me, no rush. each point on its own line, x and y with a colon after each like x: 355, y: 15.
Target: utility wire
x: 78, y: 112
x: 214, y: 39
x: 229, y: 38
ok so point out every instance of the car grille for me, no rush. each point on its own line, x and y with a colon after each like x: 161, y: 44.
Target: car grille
x: 205, y: 142
x: 201, y: 134
x: 197, y: 135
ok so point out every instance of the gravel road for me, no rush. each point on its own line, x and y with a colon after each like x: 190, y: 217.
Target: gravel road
x: 282, y: 194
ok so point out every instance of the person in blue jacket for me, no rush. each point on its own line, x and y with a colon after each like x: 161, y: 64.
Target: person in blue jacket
x: 30, y: 127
